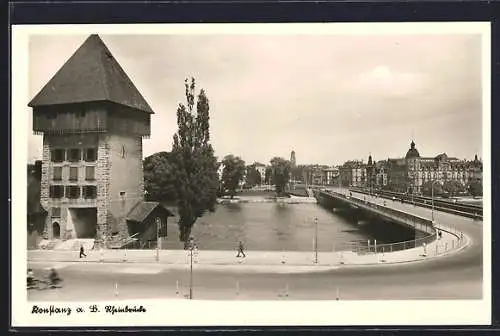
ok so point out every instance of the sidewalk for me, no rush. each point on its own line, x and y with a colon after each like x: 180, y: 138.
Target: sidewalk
x: 450, y: 242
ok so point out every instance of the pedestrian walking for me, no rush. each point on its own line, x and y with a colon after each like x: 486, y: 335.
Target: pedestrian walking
x: 82, y: 251
x: 240, y: 249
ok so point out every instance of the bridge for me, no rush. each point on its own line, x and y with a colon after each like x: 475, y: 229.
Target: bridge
x: 370, y: 206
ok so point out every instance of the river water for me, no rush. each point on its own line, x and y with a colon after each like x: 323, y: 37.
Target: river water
x: 272, y: 226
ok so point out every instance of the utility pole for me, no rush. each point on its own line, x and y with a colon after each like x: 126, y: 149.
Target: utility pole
x: 316, y: 240
x: 191, y: 247
x: 158, y: 224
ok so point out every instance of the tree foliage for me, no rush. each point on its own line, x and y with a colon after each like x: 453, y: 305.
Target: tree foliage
x: 453, y: 187
x: 427, y: 188
x: 232, y: 173
x: 476, y: 188
x: 281, y: 169
x: 253, y: 176
x: 159, y: 177
x: 268, y: 175
x: 193, y: 158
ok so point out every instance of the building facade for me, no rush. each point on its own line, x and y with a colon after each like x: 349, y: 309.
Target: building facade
x: 93, y: 120
x: 413, y: 173
x: 353, y: 174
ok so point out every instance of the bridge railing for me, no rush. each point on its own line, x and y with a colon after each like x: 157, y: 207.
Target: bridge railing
x: 419, y: 223
x: 394, y: 247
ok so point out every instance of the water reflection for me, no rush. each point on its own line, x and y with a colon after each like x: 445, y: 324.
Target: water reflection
x: 271, y: 226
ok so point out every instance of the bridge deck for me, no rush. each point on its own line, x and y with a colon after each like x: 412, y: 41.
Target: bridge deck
x: 440, y: 218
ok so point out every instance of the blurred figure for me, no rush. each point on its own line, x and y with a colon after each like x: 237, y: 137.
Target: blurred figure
x: 82, y: 251
x: 30, y: 277
x: 54, y: 277
x: 241, y: 249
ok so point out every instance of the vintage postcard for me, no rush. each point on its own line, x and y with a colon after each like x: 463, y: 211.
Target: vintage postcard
x: 251, y: 174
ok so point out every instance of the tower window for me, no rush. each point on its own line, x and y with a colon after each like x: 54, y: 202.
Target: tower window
x: 57, y: 174
x: 90, y: 154
x: 56, y: 191
x: 73, y: 173
x: 57, y: 155
x: 89, y: 191
x: 72, y: 192
x: 56, y: 212
x: 89, y: 173
x: 74, y: 155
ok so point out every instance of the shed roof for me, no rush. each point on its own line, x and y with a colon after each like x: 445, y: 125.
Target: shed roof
x: 91, y: 74
x: 142, y: 210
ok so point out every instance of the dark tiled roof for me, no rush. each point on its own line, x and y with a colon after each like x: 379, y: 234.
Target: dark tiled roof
x: 142, y: 210
x: 91, y: 74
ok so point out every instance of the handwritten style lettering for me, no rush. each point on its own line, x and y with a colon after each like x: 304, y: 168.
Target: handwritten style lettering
x: 115, y: 309
x: 51, y: 310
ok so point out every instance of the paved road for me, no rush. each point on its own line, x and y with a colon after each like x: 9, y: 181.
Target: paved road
x: 456, y: 276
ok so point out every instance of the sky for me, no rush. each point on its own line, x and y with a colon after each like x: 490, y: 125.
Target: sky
x: 331, y: 98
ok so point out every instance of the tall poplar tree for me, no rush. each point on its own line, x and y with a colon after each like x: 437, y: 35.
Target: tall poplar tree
x: 195, y: 163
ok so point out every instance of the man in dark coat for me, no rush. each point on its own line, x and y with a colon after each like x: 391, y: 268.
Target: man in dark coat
x: 240, y: 249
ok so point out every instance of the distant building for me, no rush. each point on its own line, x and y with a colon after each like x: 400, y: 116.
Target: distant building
x: 411, y: 173
x: 353, y: 174
x: 261, y: 168
x: 293, y: 160
x: 93, y: 120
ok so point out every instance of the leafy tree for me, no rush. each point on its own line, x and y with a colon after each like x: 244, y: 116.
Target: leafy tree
x: 453, y: 187
x: 476, y: 188
x: 280, y: 173
x: 233, y: 173
x: 253, y: 176
x: 268, y: 175
x: 159, y: 177
x: 427, y: 188
x: 197, y: 181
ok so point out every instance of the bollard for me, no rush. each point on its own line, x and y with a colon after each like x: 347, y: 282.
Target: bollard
x: 425, y: 249
x: 342, y: 258
x: 125, y: 256
x: 283, y: 257
x: 338, y: 295
x: 116, y: 288
x: 286, y: 290
x: 383, y: 255
x: 177, y: 291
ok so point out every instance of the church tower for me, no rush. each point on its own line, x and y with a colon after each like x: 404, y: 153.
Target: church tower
x: 292, y: 159
x: 93, y: 120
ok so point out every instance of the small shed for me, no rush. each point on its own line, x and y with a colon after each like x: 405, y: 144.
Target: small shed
x: 142, y: 222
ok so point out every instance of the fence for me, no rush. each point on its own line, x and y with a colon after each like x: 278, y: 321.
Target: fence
x: 419, y: 223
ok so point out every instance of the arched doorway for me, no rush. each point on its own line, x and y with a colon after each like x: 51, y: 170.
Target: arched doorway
x: 56, y: 230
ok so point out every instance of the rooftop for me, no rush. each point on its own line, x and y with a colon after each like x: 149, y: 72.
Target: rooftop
x: 91, y: 74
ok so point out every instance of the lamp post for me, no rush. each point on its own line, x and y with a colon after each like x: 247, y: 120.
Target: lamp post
x: 191, y: 247
x: 158, y: 224
x: 432, y: 200
x: 316, y: 240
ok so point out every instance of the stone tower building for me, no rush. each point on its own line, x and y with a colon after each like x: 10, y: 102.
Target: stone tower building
x: 293, y: 160
x: 93, y: 120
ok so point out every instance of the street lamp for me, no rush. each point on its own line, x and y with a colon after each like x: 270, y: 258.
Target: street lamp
x: 158, y: 224
x: 432, y: 199
x: 316, y: 240
x: 191, y: 248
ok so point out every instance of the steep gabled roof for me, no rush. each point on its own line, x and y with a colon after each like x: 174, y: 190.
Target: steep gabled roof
x: 91, y: 74
x: 142, y: 210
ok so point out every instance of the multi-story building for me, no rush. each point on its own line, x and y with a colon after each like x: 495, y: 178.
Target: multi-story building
x: 93, y: 120
x: 411, y: 173
x: 261, y: 168
x: 353, y: 174
x: 331, y: 175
